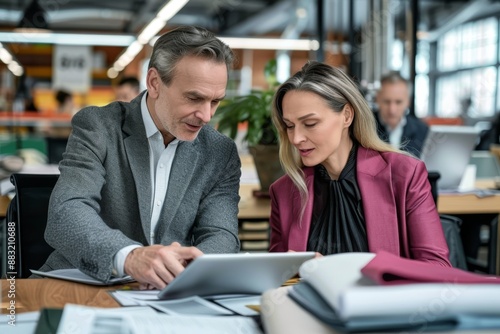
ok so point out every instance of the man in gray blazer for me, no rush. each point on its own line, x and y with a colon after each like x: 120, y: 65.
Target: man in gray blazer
x: 145, y: 186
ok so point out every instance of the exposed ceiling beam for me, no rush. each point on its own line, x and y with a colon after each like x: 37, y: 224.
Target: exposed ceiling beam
x: 145, y: 15
x: 12, y: 17
x: 269, y: 19
x: 467, y: 12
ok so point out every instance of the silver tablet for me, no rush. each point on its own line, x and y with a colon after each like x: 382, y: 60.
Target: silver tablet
x: 250, y: 273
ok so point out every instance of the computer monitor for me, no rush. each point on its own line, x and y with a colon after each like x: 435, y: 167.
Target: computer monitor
x: 447, y: 150
x: 487, y: 166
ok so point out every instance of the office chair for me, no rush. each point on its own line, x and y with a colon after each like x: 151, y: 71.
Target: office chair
x: 25, y: 224
x: 490, y: 266
x: 451, y: 228
x: 55, y: 149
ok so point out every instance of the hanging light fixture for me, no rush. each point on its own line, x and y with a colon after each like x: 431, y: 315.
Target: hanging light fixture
x: 34, y: 17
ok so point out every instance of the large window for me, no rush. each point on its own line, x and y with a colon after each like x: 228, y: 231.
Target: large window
x: 466, y: 71
x: 422, y: 79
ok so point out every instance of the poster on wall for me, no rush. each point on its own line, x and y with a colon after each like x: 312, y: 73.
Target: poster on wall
x: 72, y: 68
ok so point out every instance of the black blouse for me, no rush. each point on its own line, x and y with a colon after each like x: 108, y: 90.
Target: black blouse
x: 338, y: 223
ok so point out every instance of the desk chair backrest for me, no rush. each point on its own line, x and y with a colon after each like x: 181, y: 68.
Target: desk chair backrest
x: 26, y: 222
x: 451, y: 228
x: 55, y: 149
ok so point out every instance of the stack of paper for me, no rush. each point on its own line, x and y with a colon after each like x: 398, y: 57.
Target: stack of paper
x: 343, y: 290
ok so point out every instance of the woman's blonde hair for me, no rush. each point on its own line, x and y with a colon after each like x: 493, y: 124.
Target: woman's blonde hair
x: 338, y: 90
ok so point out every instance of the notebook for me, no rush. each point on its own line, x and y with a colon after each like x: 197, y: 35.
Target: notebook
x: 241, y: 273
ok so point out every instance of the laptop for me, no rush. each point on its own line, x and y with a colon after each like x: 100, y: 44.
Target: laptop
x: 447, y: 150
x: 240, y: 273
x: 487, y: 166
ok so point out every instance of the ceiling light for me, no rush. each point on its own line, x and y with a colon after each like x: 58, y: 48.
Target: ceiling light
x: 34, y: 17
x: 8, y: 59
x: 5, y: 56
x: 271, y: 43
x: 134, y: 49
x: 48, y: 37
x: 158, y: 23
x: 112, y: 73
x: 266, y: 43
x: 149, y: 32
x: 170, y: 9
x: 15, y: 68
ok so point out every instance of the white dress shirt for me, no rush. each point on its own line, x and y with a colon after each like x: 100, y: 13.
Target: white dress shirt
x: 160, y: 164
x: 396, y: 134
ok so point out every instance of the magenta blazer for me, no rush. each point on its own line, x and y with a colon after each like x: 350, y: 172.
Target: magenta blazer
x: 400, y: 213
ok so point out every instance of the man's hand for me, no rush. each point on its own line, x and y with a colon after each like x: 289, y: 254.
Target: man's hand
x: 157, y: 265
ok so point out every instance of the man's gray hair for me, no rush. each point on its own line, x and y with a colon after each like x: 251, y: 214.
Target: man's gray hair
x: 184, y: 41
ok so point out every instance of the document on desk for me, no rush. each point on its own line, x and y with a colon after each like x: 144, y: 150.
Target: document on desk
x: 132, y: 320
x: 214, y: 305
x: 95, y: 320
x: 193, y: 305
x: 134, y: 297
x: 24, y: 323
x: 76, y: 275
x: 171, y: 324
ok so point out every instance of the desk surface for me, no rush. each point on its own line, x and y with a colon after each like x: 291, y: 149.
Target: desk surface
x: 252, y: 207
x: 34, y: 294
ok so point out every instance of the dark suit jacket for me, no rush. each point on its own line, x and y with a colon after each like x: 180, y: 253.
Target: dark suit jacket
x: 414, y: 134
x: 102, y: 200
x: 400, y: 213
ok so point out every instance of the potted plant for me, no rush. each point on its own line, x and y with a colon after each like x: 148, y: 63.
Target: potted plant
x: 254, y: 109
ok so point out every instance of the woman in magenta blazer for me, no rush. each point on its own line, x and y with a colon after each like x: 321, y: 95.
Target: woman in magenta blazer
x: 345, y: 190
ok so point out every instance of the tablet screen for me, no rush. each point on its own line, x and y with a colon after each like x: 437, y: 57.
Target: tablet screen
x: 241, y: 273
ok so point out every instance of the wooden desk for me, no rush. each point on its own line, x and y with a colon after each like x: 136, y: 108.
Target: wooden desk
x: 34, y: 294
x: 466, y: 204
x: 4, y: 204
x: 470, y: 203
x: 251, y: 207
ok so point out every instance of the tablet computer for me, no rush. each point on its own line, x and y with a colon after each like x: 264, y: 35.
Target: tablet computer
x: 240, y: 273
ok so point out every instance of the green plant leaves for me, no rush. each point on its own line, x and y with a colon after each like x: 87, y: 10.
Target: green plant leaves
x: 253, y: 109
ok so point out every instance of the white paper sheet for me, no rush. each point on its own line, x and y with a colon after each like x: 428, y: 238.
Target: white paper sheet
x: 143, y: 320
x: 189, y: 306
x: 172, y: 324
x: 77, y: 319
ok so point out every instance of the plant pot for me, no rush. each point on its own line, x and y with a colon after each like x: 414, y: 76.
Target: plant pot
x: 267, y: 164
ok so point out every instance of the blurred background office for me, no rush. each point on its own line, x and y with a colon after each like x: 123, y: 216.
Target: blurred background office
x: 449, y: 52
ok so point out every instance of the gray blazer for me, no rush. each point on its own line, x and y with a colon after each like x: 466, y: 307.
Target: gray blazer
x: 102, y: 200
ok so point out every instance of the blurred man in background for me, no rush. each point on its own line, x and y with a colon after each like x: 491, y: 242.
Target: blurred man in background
x: 395, y: 124
x: 128, y: 88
